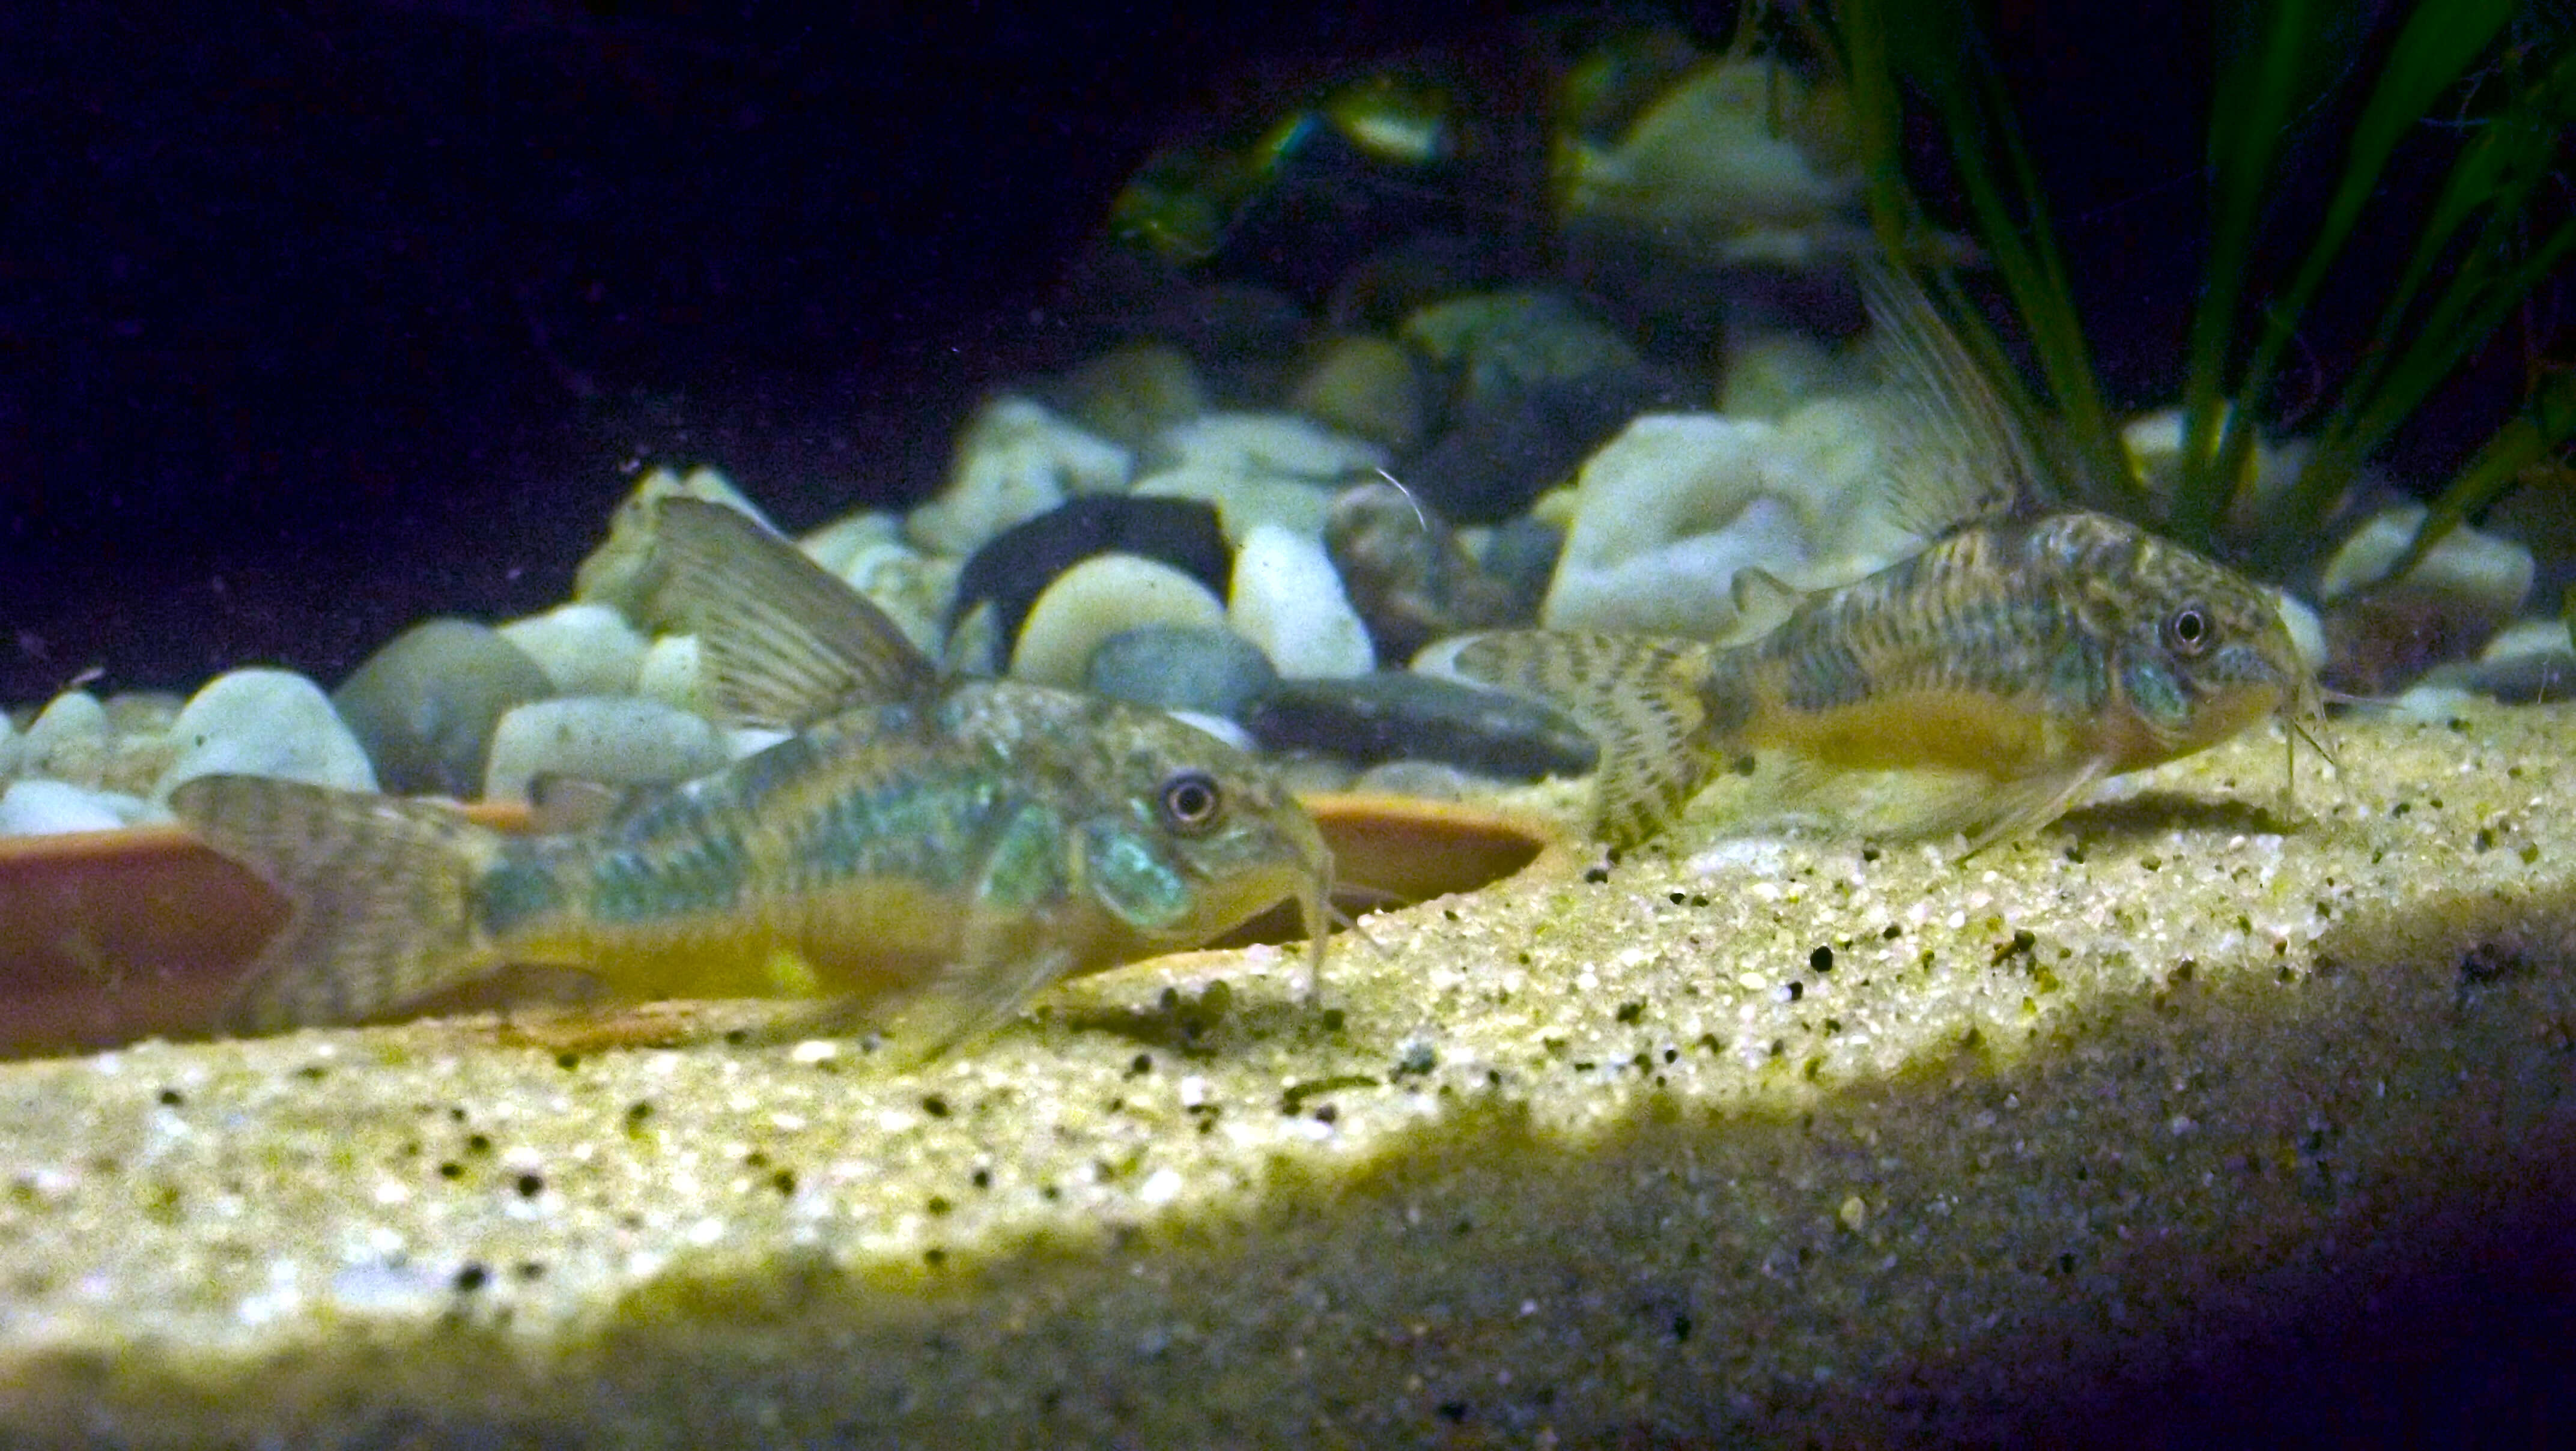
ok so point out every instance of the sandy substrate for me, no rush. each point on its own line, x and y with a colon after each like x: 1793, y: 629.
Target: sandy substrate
x: 1776, y: 1141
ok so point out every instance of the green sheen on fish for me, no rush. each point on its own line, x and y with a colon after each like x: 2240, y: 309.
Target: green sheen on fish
x: 2024, y: 654
x: 920, y: 850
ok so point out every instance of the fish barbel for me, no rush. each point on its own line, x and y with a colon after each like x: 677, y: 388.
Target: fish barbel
x: 940, y: 849
x: 2021, y: 656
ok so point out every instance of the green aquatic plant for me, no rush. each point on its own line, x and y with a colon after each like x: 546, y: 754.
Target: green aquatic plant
x: 2500, y: 80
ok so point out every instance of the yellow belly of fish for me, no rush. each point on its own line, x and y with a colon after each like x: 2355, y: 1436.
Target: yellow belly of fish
x: 1924, y: 730
x: 859, y: 942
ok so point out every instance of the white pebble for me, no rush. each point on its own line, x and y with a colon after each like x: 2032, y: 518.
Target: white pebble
x: 1245, y: 502
x: 2527, y: 637
x: 43, y: 808
x: 265, y: 723
x: 2468, y: 564
x: 833, y: 545
x: 584, y: 649
x: 669, y: 673
x: 1265, y: 445
x: 1015, y: 461
x: 592, y: 738
x: 1288, y: 599
x: 67, y: 740
x: 1098, y: 598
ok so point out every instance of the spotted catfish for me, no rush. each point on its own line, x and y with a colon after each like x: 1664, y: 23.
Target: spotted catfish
x: 2021, y: 656
x: 922, y: 850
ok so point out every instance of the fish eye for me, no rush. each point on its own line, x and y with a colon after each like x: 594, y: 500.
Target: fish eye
x: 1190, y: 801
x: 2187, y: 630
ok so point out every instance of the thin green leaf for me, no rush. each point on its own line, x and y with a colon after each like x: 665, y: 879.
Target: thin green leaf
x: 2260, y: 88
x: 1877, y: 120
x: 2531, y: 436
x: 2428, y: 57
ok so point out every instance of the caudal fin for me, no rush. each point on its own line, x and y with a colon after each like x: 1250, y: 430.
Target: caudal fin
x: 379, y: 889
x: 1661, y: 711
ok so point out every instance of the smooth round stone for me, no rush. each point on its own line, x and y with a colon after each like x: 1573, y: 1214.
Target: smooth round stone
x: 1016, y: 460
x: 1264, y: 445
x: 1423, y: 780
x: 2486, y: 575
x: 1522, y: 556
x: 1179, y: 668
x: 584, y: 649
x: 2382, y: 633
x: 140, y: 745
x: 1367, y: 387
x: 47, y: 808
x: 1729, y: 152
x: 1244, y: 502
x: 424, y: 706
x: 1398, y: 715
x: 835, y: 544
x: 2538, y: 678
x: 265, y: 723
x: 1015, y: 567
x: 1131, y: 393
x: 617, y: 742
x: 1771, y: 373
x: 1288, y: 600
x: 2527, y: 637
x: 912, y: 588
x: 1501, y: 342
x: 1506, y: 447
x: 1410, y: 575
x: 1100, y: 597
x: 1679, y: 504
x: 1218, y: 726
x: 68, y: 740
x: 670, y: 674
x: 614, y: 574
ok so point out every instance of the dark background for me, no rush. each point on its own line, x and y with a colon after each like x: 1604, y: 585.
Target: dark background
x: 317, y: 321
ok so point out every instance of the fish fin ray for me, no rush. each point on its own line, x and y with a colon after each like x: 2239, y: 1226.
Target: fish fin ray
x: 990, y: 980
x: 783, y: 642
x: 1957, y: 455
x: 378, y: 891
x: 1645, y: 701
x: 2025, y: 806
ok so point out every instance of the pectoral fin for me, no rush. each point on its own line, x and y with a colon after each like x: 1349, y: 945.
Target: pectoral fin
x: 990, y: 981
x: 2026, y: 806
x: 782, y: 641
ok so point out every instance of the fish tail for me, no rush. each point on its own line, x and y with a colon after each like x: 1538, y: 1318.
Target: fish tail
x: 1661, y: 711
x: 380, y: 890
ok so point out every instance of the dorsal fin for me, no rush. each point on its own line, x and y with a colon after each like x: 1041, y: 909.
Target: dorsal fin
x: 1957, y: 455
x: 782, y: 642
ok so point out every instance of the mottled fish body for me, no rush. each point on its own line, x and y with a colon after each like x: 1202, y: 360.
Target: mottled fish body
x: 937, y: 849
x: 2022, y: 654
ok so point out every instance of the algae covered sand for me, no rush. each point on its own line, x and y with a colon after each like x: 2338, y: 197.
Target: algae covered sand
x: 1770, y: 1140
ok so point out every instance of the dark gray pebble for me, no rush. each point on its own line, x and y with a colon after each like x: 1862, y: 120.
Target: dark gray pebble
x: 1016, y: 566
x: 424, y: 706
x: 2537, y: 679
x: 1398, y: 715
x: 1509, y: 447
x: 1410, y: 578
x: 1179, y: 667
